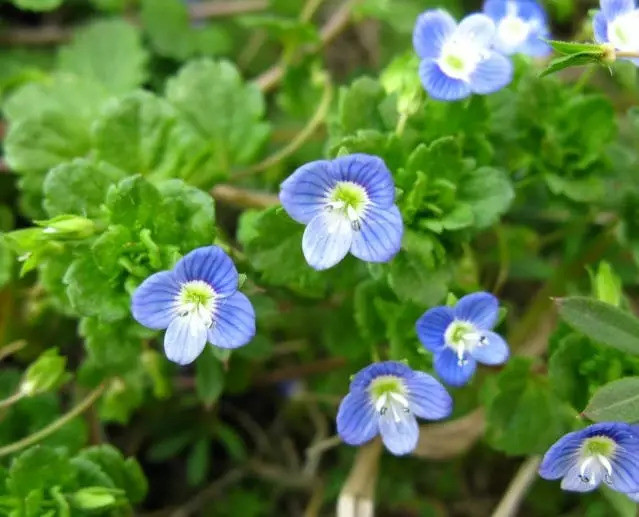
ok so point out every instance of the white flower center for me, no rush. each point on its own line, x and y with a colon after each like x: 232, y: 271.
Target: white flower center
x: 459, y: 58
x: 512, y: 31
x: 463, y: 337
x: 623, y: 31
x: 594, y: 460
x: 389, y: 397
x: 196, y: 300
x: 349, y: 199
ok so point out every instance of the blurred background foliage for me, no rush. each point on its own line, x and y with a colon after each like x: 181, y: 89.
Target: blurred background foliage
x: 143, y: 129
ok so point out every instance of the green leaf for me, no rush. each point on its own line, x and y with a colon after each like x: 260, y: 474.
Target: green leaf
x: 198, y: 462
x: 488, y: 192
x: 225, y: 111
x: 187, y: 216
x: 273, y: 245
x: 607, y: 284
x: 570, y: 47
x: 94, y: 498
x: 78, y: 187
x: 132, y: 133
x: 133, y: 203
x: 37, y: 5
x: 39, y: 467
x: 114, y: 349
x: 616, y: 401
x: 209, y: 377
x: 361, y: 106
x: 92, y: 293
x: 125, y: 473
x: 108, y: 52
x: 578, y: 59
x: 417, y: 274
x: 524, y: 416
x: 601, y: 322
x: 168, y: 26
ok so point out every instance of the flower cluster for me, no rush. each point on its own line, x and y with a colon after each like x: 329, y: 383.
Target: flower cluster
x: 616, y: 23
x: 470, y: 57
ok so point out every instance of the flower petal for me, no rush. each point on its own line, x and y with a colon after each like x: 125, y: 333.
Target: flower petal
x: 561, y: 456
x: 431, y: 31
x: 438, y: 85
x: 477, y: 29
x: 427, y: 397
x: 530, y: 11
x: 357, y: 419
x: 494, y: 351
x: 211, y: 265
x: 495, y: 9
x: 152, y: 302
x: 399, y: 437
x: 492, y: 74
x: 432, y: 326
x: 535, y: 45
x: 613, y: 8
x: 380, y: 235
x: 327, y: 239
x: 371, y: 173
x: 625, y: 471
x: 233, y: 322
x: 184, y: 339
x: 600, y: 27
x: 303, y: 193
x: 481, y: 309
x: 634, y: 496
x: 451, y: 372
x: 573, y: 482
x: 363, y: 378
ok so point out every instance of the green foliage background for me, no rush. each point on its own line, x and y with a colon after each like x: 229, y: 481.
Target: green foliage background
x: 141, y: 130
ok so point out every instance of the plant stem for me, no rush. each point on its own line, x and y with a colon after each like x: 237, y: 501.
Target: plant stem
x: 243, y: 197
x: 401, y: 124
x: 309, y: 9
x: 299, y: 140
x: 333, y: 27
x: 518, y: 488
x: 55, y: 425
x: 10, y: 400
x: 12, y: 348
x: 216, y: 9
x: 627, y: 53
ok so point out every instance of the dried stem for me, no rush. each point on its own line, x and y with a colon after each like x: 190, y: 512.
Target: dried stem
x: 518, y: 488
x: 12, y: 348
x: 300, y: 139
x: 333, y: 27
x: 218, y: 9
x: 242, y: 197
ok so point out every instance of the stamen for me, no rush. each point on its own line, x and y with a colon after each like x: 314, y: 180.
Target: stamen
x: 399, y: 398
x: 606, y: 464
x: 381, y: 402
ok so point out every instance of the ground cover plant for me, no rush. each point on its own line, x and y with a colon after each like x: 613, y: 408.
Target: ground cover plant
x: 320, y: 257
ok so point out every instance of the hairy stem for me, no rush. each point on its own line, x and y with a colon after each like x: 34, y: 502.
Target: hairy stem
x: 10, y: 400
x: 12, y: 348
x: 55, y: 425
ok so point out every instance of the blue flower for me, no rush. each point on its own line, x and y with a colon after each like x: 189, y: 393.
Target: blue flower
x: 461, y: 336
x: 348, y: 204
x: 385, y: 398
x: 616, y: 23
x: 521, y: 26
x: 607, y: 452
x: 458, y: 60
x: 197, y: 301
